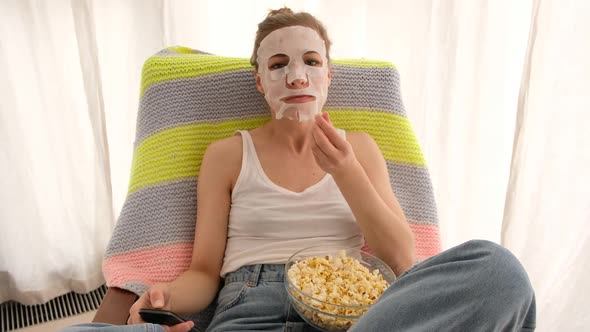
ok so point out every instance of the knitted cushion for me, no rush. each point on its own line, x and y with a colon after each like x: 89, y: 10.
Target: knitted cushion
x: 190, y: 99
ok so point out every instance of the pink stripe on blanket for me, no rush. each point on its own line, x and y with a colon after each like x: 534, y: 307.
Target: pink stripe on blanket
x: 157, y: 264
x: 427, y: 240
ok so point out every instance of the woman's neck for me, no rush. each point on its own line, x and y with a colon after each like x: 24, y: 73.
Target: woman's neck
x: 293, y: 135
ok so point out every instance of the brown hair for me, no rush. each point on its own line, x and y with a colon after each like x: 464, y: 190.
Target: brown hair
x: 282, y: 18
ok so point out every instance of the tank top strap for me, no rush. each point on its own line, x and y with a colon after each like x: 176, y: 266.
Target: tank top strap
x: 248, y: 149
x: 248, y: 169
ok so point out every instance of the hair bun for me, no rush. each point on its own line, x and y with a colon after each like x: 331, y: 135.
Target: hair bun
x: 282, y: 11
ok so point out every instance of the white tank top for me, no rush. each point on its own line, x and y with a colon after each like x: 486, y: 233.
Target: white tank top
x: 268, y: 223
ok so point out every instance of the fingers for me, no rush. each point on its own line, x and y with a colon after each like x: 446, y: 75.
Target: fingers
x: 323, y: 121
x: 184, y: 327
x: 320, y: 158
x: 134, y: 317
x: 326, y: 117
x: 157, y: 298
x: 318, y: 153
x: 323, y: 143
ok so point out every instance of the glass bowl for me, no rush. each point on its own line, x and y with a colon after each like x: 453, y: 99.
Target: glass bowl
x: 334, y: 311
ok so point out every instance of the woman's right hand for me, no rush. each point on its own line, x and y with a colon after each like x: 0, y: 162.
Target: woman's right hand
x: 157, y: 297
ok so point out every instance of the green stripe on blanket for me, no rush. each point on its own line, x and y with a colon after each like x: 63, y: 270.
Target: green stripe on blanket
x: 157, y: 69
x: 177, y: 152
x: 182, y: 50
x: 383, y: 126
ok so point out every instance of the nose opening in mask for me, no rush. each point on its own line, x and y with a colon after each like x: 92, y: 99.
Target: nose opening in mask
x: 296, y: 72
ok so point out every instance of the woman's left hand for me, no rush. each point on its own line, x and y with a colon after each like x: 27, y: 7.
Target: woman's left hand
x: 332, y: 152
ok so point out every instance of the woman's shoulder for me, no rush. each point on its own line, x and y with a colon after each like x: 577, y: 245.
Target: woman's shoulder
x: 226, y: 152
x: 359, y: 138
x: 363, y: 145
x: 228, y: 144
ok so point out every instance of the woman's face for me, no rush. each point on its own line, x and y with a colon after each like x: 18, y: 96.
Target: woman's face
x: 293, y: 72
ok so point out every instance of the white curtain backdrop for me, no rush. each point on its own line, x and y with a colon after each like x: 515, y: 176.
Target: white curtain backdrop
x: 497, y: 92
x: 55, y: 192
x: 547, y: 214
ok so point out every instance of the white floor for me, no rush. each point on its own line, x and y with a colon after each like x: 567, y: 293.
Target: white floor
x: 58, y: 324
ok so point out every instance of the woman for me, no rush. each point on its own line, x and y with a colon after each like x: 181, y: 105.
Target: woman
x: 298, y: 181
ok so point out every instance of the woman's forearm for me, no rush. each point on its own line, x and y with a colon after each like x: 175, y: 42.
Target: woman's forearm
x: 386, y: 232
x: 192, y: 292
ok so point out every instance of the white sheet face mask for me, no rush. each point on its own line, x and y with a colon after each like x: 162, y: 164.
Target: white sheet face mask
x: 294, y: 43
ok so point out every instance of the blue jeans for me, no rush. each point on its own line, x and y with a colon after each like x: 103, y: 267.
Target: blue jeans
x: 476, y: 286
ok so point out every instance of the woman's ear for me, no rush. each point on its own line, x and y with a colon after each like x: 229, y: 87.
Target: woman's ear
x: 329, y: 76
x: 258, y: 82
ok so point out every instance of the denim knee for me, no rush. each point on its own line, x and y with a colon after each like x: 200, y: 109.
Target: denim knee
x: 504, y: 274
x: 477, y: 285
x: 501, y: 259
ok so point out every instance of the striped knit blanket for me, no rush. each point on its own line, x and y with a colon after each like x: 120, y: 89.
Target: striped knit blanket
x: 182, y: 111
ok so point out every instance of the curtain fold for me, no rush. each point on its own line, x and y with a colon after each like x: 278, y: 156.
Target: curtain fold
x: 56, y: 213
x: 548, y: 197
x: 496, y: 91
x: 90, y: 69
x: 126, y: 33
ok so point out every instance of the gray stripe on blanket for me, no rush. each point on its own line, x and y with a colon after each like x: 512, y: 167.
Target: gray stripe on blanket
x: 233, y: 95
x: 175, y: 202
x: 159, y: 214
x: 413, y: 189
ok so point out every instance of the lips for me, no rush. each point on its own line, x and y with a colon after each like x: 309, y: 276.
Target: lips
x: 298, y: 99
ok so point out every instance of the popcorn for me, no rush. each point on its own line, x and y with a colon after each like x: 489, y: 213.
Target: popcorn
x: 339, y: 282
